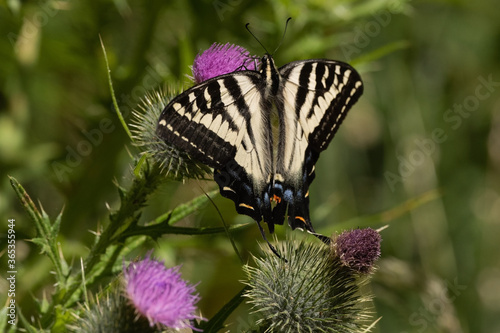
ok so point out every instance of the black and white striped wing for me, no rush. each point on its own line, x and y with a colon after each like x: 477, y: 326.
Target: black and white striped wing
x: 222, y: 123
x: 315, y: 95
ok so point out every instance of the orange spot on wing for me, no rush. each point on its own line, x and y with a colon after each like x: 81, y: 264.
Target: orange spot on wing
x: 300, y: 218
x: 276, y: 199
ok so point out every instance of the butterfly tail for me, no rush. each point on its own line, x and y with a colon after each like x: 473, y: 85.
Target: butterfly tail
x: 298, y: 218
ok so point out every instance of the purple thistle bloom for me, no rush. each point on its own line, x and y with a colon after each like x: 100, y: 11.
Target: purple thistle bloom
x: 221, y: 59
x: 160, y: 294
x: 358, y: 249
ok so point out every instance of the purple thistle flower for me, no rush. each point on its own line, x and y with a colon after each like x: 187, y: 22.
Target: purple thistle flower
x: 221, y: 59
x: 160, y: 294
x: 358, y: 249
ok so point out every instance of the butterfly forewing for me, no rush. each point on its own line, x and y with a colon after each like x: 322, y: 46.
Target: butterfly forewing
x: 211, y: 120
x: 320, y: 92
x: 314, y: 98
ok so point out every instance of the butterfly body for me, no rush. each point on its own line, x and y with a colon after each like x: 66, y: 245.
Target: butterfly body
x: 226, y: 123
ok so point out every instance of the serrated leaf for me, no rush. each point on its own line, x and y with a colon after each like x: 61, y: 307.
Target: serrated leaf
x: 65, y: 269
x: 183, y: 210
x: 42, y: 243
x: 26, y: 202
x: 26, y: 324
x: 162, y: 225
x: 42, y: 304
x: 105, y: 264
x: 111, y: 261
x: 62, y: 319
x: 47, y: 231
x: 4, y: 321
x: 132, y: 201
x: 56, y: 225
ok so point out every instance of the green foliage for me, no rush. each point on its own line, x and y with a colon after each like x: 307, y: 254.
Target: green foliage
x: 116, y: 241
x: 47, y: 231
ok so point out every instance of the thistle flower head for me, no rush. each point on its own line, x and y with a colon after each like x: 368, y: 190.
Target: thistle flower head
x: 160, y: 294
x: 312, y: 292
x: 221, y: 59
x: 174, y: 163
x: 358, y: 249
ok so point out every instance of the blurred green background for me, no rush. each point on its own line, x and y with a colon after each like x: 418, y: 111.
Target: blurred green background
x: 420, y: 151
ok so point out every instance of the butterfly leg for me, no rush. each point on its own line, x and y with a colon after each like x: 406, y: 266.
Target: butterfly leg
x: 271, y: 247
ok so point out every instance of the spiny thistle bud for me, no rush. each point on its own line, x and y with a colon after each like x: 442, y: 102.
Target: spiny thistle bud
x: 221, y: 59
x: 160, y: 294
x: 111, y: 313
x: 358, y: 249
x: 310, y: 292
x: 175, y: 163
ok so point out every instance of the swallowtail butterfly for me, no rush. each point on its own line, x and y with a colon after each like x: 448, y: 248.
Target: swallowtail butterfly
x: 227, y: 123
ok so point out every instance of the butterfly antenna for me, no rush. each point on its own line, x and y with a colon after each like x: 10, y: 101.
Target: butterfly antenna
x: 283, y: 37
x: 251, y: 33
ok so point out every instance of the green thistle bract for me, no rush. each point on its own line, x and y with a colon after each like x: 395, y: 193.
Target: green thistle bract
x: 176, y: 164
x: 312, y: 292
x: 112, y: 313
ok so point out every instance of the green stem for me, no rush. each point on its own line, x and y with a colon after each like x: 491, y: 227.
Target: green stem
x: 217, y: 322
x: 154, y: 230
x: 113, y: 97
x: 132, y: 201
